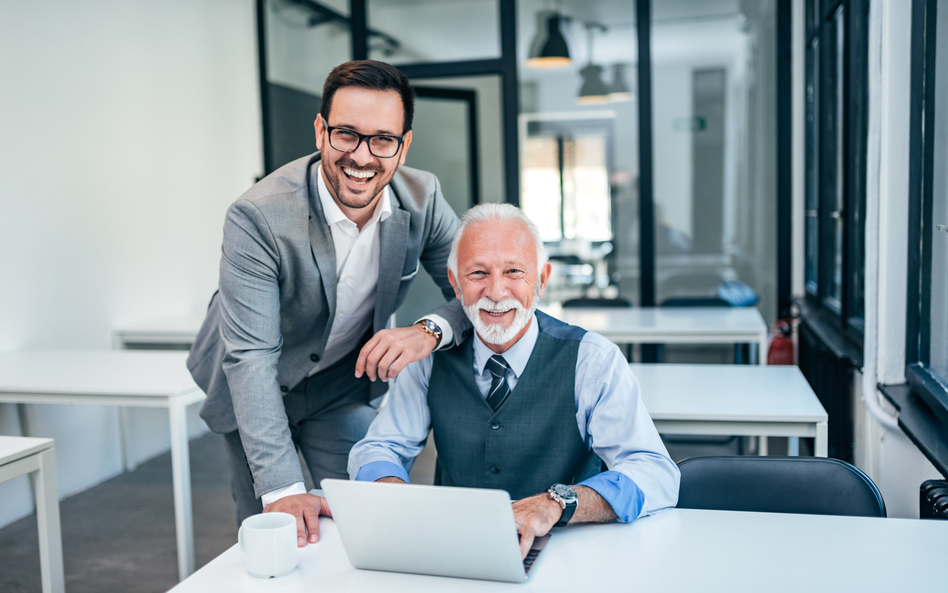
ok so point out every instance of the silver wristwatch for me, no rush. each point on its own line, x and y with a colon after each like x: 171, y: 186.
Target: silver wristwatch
x: 567, y: 499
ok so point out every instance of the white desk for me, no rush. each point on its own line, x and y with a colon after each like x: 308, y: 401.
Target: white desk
x: 176, y: 330
x: 675, y: 551
x: 671, y: 325
x: 116, y: 378
x: 37, y: 457
x: 732, y: 400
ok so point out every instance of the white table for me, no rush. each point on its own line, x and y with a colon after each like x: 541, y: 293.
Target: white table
x: 116, y: 378
x: 177, y: 331
x: 726, y: 399
x: 37, y: 457
x: 675, y: 551
x: 671, y: 325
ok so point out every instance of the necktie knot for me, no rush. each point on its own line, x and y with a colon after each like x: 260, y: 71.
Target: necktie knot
x: 497, y: 365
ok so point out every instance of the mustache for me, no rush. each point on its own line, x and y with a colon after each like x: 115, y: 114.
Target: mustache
x: 350, y: 164
x: 497, y: 306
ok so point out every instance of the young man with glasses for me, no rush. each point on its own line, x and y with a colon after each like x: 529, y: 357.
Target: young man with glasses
x: 315, y: 259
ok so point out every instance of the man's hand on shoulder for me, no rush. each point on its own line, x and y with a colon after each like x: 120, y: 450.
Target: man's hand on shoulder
x: 535, y: 516
x: 306, y: 508
x: 391, y: 350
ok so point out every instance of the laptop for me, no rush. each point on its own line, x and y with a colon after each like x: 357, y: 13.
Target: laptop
x: 433, y: 530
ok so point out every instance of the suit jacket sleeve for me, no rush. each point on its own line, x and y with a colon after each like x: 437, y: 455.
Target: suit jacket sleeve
x: 250, y: 329
x: 434, y: 257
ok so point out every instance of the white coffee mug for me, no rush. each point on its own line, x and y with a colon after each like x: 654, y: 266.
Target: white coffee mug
x: 268, y: 542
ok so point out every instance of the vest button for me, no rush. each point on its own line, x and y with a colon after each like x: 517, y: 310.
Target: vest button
x: 284, y: 388
x: 494, y: 469
x: 314, y: 357
x: 495, y: 425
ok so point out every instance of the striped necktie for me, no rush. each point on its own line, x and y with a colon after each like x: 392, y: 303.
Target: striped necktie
x: 499, y: 389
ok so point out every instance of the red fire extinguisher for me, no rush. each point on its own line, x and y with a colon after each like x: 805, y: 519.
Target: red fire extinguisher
x: 781, y: 350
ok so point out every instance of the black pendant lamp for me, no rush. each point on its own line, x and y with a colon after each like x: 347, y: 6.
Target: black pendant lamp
x: 554, y: 53
x: 619, y: 89
x: 593, y: 89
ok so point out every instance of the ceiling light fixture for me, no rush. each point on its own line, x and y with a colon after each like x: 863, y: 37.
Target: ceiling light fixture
x: 619, y: 89
x: 593, y: 89
x: 554, y: 53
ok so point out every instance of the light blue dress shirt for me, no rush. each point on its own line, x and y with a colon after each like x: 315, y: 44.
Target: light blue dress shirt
x: 610, y: 416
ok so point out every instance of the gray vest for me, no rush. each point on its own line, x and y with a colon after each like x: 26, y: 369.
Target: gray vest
x: 532, y: 441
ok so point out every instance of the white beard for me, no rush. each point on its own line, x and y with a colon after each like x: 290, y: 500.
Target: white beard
x: 496, y: 333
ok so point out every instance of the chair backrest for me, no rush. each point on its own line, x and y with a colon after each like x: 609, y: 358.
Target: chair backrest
x: 809, y: 485
x: 597, y: 302
x: 695, y: 302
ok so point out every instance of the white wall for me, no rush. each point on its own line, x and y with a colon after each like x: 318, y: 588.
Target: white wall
x: 126, y: 129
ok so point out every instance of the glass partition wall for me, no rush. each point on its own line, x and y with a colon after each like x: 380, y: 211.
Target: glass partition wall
x: 537, y: 103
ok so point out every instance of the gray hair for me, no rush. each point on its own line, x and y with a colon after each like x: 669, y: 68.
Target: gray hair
x: 495, y: 213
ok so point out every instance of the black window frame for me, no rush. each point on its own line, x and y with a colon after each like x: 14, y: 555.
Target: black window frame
x: 839, y: 183
x: 923, y: 400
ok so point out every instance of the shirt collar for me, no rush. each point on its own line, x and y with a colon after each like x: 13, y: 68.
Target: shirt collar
x: 334, y: 214
x: 516, y: 356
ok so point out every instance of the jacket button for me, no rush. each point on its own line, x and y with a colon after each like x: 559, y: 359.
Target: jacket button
x: 495, y: 425
x: 284, y: 388
x: 494, y: 469
x: 314, y: 357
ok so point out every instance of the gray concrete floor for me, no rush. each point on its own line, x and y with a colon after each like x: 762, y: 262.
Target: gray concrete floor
x: 119, y: 535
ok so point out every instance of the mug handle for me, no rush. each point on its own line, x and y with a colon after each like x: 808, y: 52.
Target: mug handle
x: 240, y: 539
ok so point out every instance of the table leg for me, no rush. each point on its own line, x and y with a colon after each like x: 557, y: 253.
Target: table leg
x: 793, y: 446
x: 820, y: 447
x: 762, y: 447
x: 47, y: 519
x: 181, y: 478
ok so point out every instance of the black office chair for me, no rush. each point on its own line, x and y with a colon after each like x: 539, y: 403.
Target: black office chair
x: 807, y: 485
x: 617, y: 302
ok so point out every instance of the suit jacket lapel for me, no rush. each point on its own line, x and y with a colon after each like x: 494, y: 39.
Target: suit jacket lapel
x: 393, y: 239
x: 324, y: 250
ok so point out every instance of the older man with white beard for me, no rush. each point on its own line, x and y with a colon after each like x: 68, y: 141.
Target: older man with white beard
x: 545, y: 410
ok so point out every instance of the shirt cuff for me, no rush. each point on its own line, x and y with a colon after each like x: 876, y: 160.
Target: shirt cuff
x: 625, y: 497
x: 447, y: 334
x: 275, y: 495
x: 371, y: 472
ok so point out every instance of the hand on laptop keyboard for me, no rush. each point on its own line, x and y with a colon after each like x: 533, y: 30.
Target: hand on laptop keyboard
x: 535, y: 516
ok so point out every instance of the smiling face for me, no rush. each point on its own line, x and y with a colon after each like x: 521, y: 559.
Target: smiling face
x: 356, y: 178
x: 498, y: 281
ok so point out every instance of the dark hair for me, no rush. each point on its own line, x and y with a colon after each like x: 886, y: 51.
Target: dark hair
x: 370, y: 74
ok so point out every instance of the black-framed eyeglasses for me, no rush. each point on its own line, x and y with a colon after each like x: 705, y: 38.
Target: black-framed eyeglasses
x: 382, y: 146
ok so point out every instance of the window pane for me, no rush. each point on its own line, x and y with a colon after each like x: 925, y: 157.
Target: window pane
x: 812, y: 190
x: 302, y: 48
x: 541, y: 193
x: 714, y: 120
x: 433, y: 30
x: 836, y: 285
x: 939, y: 272
x: 598, y: 203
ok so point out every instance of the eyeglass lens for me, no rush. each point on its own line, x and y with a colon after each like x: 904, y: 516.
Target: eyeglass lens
x: 348, y: 141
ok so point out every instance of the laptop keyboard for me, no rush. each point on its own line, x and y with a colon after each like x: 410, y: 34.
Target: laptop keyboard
x: 538, y: 545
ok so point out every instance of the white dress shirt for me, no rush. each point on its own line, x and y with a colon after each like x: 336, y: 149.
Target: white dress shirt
x: 357, y: 276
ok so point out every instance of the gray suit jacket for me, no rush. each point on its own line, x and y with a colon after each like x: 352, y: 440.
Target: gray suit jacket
x: 276, y: 303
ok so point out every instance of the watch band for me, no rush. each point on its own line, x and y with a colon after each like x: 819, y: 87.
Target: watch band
x: 431, y: 328
x: 569, y: 506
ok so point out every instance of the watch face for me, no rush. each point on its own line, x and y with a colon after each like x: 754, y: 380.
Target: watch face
x: 565, y: 492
